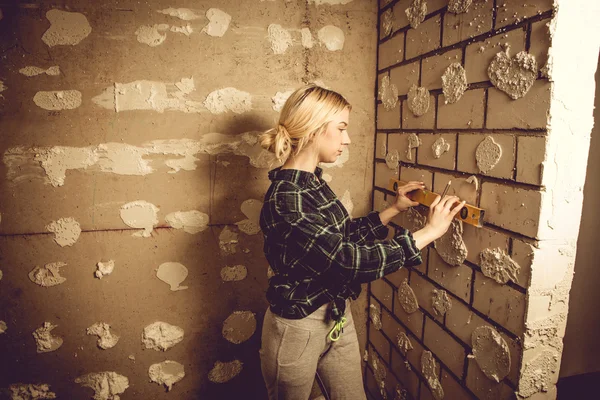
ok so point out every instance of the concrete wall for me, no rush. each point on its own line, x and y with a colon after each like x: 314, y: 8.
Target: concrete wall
x: 135, y: 132
x: 491, y: 301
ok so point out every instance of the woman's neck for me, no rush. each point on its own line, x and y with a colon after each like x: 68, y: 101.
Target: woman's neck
x: 303, y: 161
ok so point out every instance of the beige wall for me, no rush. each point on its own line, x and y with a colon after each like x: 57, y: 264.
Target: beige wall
x: 124, y: 122
x: 582, y: 351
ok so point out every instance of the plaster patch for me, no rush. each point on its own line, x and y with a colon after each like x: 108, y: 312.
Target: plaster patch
x: 459, y: 6
x: 161, y: 336
x: 332, y: 37
x: 251, y: 209
x: 33, y: 71
x: 514, y: 76
x: 187, y: 30
x: 48, y: 275
x: 57, y: 160
x: 375, y: 314
x: 222, y: 372
x: 44, y: 340
x: 378, y: 367
x: 454, y: 83
x: 416, y: 219
x: 152, y: 34
x: 491, y: 352
x: 418, y: 100
x: 228, y: 99
x: 346, y: 201
x: 413, y: 143
x: 429, y: 370
x: 219, y: 22
x: 3, y: 327
x: 166, y: 373
x: 2, y: 89
x: 140, y: 214
x: 106, y: 338
x: 327, y: 178
x: 228, y: 241
x: 416, y: 12
x: 66, y: 28
x: 488, y: 154
x: 498, y: 265
x: 279, y: 38
x: 182, y: 13
x: 407, y: 298
x: 473, y: 180
x: 279, y: 99
x: 1, y: 274
x: 58, y: 99
x: 388, y: 93
x: 403, y: 342
x: 330, y: 2
x: 387, y: 22
x: 537, y: 374
x: 239, y: 326
x: 28, y: 391
x: 107, y: 385
x: 173, y: 274
x: 450, y: 246
x: 104, y: 268
x: 234, y: 273
x: 392, y: 160
x: 66, y: 231
x: 190, y: 221
x: 439, y: 147
x: 441, y: 302
x: 307, y: 39
x: 150, y: 96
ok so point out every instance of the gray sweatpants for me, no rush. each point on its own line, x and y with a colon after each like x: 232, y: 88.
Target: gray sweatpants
x: 294, y: 350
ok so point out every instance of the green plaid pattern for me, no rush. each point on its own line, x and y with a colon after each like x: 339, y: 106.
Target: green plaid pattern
x: 318, y: 253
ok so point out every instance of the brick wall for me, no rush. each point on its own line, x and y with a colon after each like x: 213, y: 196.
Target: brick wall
x: 510, y: 193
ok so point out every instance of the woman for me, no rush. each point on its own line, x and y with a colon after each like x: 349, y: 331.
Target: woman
x: 320, y: 256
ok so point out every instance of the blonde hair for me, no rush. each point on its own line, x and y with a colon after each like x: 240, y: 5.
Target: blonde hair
x: 305, y: 115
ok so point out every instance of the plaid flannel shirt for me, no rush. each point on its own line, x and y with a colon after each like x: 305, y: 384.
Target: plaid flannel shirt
x: 318, y: 253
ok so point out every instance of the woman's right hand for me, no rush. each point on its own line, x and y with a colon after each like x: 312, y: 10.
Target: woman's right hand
x: 441, y: 214
x: 440, y: 217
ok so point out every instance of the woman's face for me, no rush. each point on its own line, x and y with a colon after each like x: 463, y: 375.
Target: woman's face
x: 335, y: 137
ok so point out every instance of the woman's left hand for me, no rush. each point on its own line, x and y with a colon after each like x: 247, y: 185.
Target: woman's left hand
x: 402, y: 202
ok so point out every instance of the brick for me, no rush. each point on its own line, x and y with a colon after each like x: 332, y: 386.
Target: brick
x: 383, y: 292
x: 379, y: 203
x: 390, y: 385
x: 477, y: 20
x: 423, y: 289
x: 459, y: 187
x: 531, y: 152
x: 379, y: 79
x: 512, y: 208
x: 408, y: 378
x: 540, y: 41
x: 390, y: 326
x: 417, y: 174
x: 479, y: 55
x: 434, y: 5
x: 501, y: 303
x: 399, y: 142
x: 413, y: 322
x: 445, y: 347
x: 381, y: 344
x: 396, y: 278
x: 454, y: 279
x: 414, y: 356
x: 514, y: 11
x: 465, y: 113
x: 423, y: 39
x: 453, y: 389
x: 485, y: 388
x: 388, y: 119
x: 391, y: 51
x: 405, y: 76
x: 467, y: 147
x: 383, y: 175
x: 462, y: 321
x: 371, y: 384
x: 380, y: 145
x: 479, y: 239
x: 426, y: 392
x: 400, y: 18
x: 522, y: 254
x: 426, y: 156
x: 530, y: 111
x: 432, y: 68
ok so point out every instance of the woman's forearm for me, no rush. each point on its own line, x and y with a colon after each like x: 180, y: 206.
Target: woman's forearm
x: 423, y: 237
x: 387, y: 215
